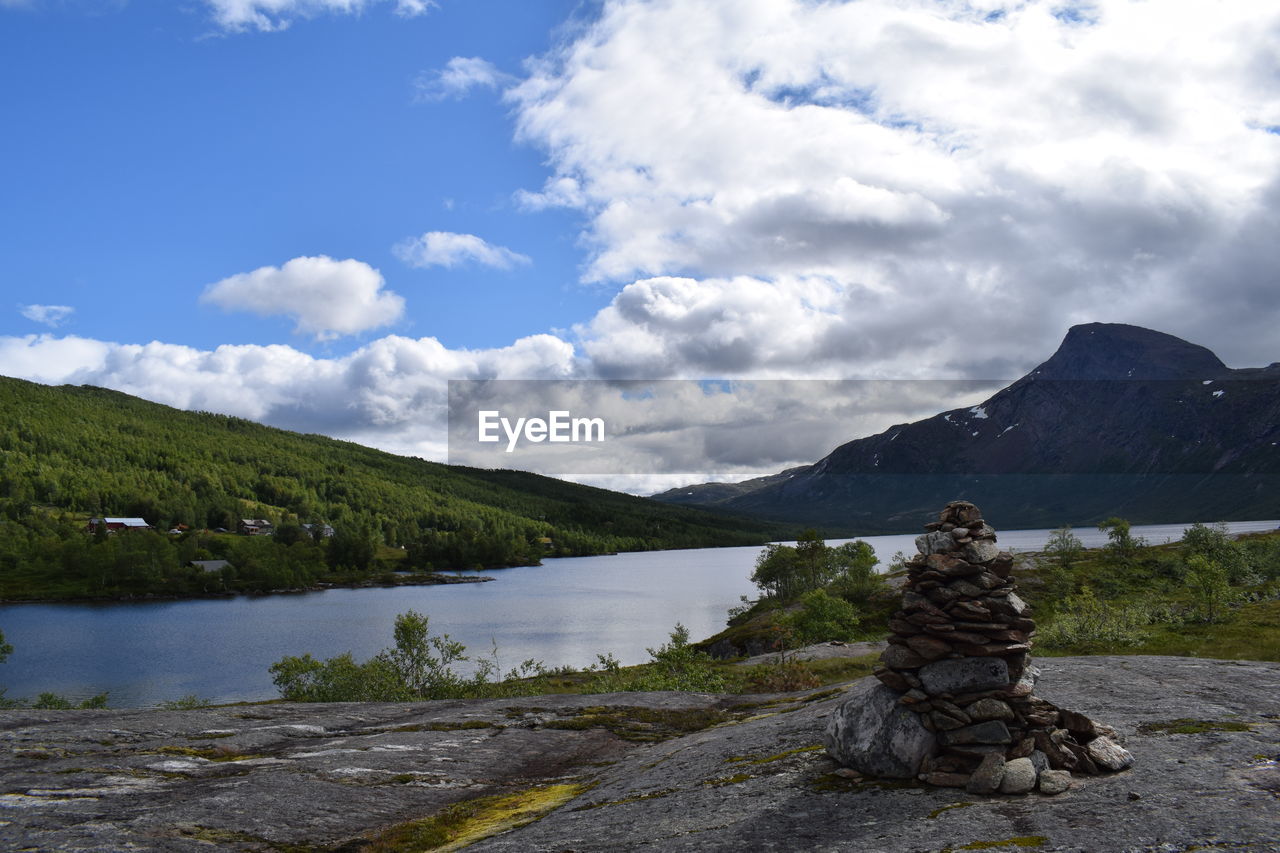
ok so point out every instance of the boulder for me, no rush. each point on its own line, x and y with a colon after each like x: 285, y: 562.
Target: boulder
x: 873, y: 734
x: 1107, y: 753
x: 1019, y: 777
x: 1052, y: 782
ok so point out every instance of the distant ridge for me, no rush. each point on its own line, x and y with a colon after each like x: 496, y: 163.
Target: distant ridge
x: 1120, y: 420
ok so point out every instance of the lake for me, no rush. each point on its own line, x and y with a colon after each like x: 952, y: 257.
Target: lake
x: 563, y: 612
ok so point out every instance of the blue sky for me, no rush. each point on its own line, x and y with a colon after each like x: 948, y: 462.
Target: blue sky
x: 152, y: 154
x: 315, y: 213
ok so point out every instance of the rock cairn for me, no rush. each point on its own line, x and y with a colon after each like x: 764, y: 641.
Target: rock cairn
x: 956, y: 705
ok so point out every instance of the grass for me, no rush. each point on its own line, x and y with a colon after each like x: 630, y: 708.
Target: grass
x: 643, y: 725
x: 1187, y: 726
x: 768, y: 759
x: 215, y: 754
x: 467, y: 822
x: 1148, y: 606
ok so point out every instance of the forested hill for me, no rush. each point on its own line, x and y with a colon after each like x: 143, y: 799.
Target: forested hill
x: 98, y: 452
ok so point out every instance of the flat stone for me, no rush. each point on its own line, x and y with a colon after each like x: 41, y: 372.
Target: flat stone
x: 892, y: 680
x: 901, y: 657
x: 1053, y: 782
x: 902, y: 626
x: 964, y: 675
x: 1010, y: 606
x: 934, y: 543
x: 960, y: 513
x: 975, y: 750
x: 930, y: 648
x: 989, y: 732
x: 943, y: 595
x: 971, y: 610
x: 915, y: 602
x: 1019, y: 777
x: 966, y: 589
x: 987, y: 580
x: 1108, y: 754
x: 1079, y: 725
x: 989, y: 709
x: 874, y: 735
x: 986, y: 779
x: 944, y: 722
x: 979, y: 551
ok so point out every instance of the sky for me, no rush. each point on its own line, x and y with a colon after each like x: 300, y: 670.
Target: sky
x: 314, y: 213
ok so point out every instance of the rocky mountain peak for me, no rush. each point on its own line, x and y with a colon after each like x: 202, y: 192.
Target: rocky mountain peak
x: 1119, y: 351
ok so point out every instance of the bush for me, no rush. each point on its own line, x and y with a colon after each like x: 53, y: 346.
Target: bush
x: 418, y: 666
x: 675, y: 665
x: 1086, y: 622
x: 821, y: 617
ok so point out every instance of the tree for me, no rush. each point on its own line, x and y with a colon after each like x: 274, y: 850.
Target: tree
x: 776, y: 571
x: 1214, y: 543
x: 1064, y: 548
x: 419, y: 666
x: 1123, y: 546
x: 1208, y: 580
x: 421, y: 662
x: 785, y: 572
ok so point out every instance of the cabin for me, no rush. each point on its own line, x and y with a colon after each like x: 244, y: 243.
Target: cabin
x: 325, y: 530
x: 255, y: 527
x: 113, y: 525
x: 210, y: 565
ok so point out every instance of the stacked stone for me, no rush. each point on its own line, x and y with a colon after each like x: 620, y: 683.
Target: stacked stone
x: 960, y: 659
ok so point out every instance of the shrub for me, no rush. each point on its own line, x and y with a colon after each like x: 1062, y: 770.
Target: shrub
x: 821, y: 617
x: 1086, y: 622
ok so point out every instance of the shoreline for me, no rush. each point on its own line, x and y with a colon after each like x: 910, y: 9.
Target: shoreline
x: 421, y: 579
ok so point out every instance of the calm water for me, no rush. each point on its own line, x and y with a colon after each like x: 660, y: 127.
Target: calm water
x: 562, y: 612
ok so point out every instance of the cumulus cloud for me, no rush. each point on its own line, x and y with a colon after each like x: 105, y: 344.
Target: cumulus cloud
x: 460, y: 75
x: 327, y: 298
x: 49, y: 315
x: 390, y: 393
x: 447, y: 249
x: 910, y: 185
x: 272, y: 15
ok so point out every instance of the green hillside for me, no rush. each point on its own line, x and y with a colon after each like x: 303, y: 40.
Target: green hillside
x: 67, y: 453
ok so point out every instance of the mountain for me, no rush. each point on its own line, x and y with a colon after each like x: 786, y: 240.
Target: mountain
x: 98, y: 452
x: 1120, y: 420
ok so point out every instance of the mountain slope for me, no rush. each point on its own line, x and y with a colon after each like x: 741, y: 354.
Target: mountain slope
x: 100, y: 452
x: 1120, y: 420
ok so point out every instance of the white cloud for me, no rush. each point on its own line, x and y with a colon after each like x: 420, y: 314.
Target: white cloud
x: 447, y: 249
x: 327, y: 298
x: 953, y: 183
x: 390, y: 393
x: 49, y: 315
x: 272, y: 15
x: 460, y: 75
